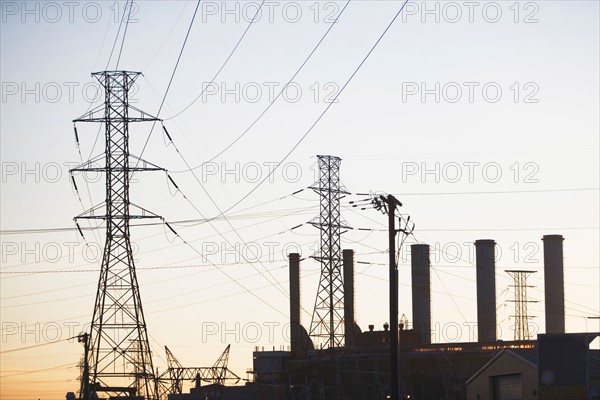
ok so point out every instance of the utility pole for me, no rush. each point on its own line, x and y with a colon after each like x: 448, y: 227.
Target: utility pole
x: 117, y: 350
x: 388, y: 204
x: 391, y: 205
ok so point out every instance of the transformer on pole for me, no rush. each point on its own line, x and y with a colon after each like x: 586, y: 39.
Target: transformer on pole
x: 520, y: 300
x: 119, y: 359
x: 327, y: 326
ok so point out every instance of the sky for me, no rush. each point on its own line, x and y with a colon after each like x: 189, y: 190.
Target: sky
x: 480, y: 117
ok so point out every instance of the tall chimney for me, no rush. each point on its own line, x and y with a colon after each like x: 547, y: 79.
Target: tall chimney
x: 349, y: 313
x: 485, y: 252
x: 421, y: 291
x: 295, y: 334
x: 554, y: 285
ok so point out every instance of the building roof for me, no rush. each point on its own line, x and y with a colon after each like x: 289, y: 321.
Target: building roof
x: 528, y: 356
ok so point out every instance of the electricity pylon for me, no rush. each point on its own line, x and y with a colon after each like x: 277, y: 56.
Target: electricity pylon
x: 119, y: 356
x: 520, y: 300
x: 328, y: 315
x: 172, y: 379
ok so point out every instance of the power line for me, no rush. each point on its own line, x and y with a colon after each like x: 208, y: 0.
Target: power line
x: 500, y: 192
x: 408, y: 285
x: 46, y: 291
x: 33, y: 346
x: 278, y: 94
x: 234, y: 216
x: 59, y: 271
x: 235, y: 280
x: 233, y: 229
x: 170, y: 80
x: 221, y: 214
x: 27, y: 231
x: 168, y: 35
x: 220, y: 297
x: 333, y: 101
x: 64, y: 366
x: 277, y: 216
x: 224, y: 63
x: 203, y: 268
x: 124, y: 32
x: 117, y: 36
x: 511, y: 229
x: 163, y: 280
x: 224, y: 297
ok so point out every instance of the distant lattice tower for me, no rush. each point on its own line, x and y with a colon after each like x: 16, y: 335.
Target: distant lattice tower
x: 327, y: 326
x: 521, y: 316
x: 119, y: 356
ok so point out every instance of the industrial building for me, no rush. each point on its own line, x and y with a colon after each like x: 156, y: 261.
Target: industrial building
x: 488, y: 369
x: 519, y: 374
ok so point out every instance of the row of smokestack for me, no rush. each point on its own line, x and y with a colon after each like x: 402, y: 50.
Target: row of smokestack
x: 485, y: 266
x: 298, y: 336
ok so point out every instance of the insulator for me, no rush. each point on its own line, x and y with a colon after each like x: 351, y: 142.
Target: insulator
x: 76, y: 135
x: 297, y: 191
x: 79, y: 229
x: 297, y: 226
x: 74, y: 184
x: 167, y: 133
x: 172, y: 230
x: 173, y: 182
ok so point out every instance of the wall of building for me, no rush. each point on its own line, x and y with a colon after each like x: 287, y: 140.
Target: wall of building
x: 481, y: 387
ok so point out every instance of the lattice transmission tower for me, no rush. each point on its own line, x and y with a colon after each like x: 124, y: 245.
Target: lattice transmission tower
x: 118, y: 351
x: 327, y: 324
x: 521, y: 316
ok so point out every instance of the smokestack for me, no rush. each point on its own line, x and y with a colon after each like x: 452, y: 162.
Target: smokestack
x: 349, y: 313
x: 554, y: 285
x: 485, y: 252
x: 421, y: 291
x: 295, y: 334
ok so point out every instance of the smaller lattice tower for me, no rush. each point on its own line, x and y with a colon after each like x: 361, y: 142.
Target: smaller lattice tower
x: 521, y: 316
